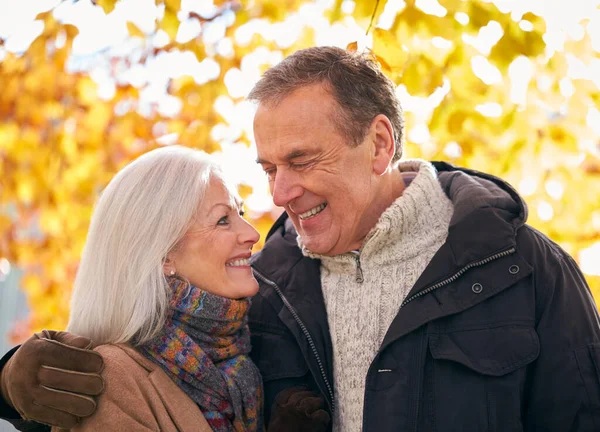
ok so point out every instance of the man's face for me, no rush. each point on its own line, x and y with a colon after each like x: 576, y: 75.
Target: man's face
x: 325, y: 185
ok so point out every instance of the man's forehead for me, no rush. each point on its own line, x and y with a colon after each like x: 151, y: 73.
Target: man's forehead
x: 287, y: 154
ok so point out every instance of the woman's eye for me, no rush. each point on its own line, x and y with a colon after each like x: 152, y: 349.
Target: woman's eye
x: 223, y: 221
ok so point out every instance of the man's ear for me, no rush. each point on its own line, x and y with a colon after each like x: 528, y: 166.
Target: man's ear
x: 384, y: 145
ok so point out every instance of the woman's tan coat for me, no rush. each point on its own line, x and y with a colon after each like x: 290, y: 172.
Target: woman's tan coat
x: 139, y: 396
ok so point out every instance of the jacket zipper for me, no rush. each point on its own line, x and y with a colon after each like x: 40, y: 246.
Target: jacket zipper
x: 359, y: 273
x: 458, y: 274
x: 304, y: 330
x: 450, y: 280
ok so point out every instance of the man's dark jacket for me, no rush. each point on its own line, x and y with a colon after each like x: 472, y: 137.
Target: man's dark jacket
x: 499, y: 333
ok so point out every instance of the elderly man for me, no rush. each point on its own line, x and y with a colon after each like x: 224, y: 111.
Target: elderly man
x: 411, y: 295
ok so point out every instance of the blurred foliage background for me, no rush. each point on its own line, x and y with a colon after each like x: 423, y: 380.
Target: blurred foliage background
x: 507, y: 87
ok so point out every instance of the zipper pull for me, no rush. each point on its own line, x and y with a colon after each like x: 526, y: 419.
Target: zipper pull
x: 359, y: 272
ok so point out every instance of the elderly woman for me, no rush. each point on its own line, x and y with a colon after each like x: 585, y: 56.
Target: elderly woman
x: 163, y: 291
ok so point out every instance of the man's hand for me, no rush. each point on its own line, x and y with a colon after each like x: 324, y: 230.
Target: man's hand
x: 298, y: 409
x: 52, y: 377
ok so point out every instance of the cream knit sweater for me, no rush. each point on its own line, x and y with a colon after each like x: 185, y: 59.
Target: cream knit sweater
x: 392, y: 257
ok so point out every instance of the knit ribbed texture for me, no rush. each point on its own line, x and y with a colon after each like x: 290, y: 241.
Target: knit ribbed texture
x: 392, y: 257
x: 204, y: 349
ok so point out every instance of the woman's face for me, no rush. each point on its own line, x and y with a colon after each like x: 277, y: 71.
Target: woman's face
x: 215, y: 251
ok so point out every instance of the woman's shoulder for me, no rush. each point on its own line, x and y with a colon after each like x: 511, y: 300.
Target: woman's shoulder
x: 125, y: 369
x: 124, y: 354
x: 142, y: 391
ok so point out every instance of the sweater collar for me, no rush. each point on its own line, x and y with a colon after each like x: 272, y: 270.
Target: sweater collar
x: 421, y: 208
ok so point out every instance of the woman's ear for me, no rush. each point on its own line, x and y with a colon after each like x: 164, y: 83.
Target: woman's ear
x: 169, y: 267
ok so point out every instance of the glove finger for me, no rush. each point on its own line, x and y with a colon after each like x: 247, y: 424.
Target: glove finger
x: 52, y: 417
x: 70, y: 403
x: 310, y: 404
x: 56, y: 354
x: 283, y: 396
x: 298, y: 396
x: 76, y: 382
x: 66, y: 338
x: 321, y: 416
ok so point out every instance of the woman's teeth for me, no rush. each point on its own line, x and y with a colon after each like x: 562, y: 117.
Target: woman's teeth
x: 313, y: 212
x: 238, y: 263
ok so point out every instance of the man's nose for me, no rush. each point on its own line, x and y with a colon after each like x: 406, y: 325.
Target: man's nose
x: 285, y: 187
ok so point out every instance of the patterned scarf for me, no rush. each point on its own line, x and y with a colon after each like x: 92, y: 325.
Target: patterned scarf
x: 204, y: 348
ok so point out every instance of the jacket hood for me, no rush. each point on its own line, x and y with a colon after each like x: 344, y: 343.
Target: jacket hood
x: 487, y: 214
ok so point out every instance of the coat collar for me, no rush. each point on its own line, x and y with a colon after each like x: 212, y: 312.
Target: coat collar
x: 183, y: 411
x: 487, y: 214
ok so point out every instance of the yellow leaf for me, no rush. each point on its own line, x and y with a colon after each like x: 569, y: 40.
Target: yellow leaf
x: 51, y: 222
x: 479, y: 14
x: 244, y: 190
x: 106, y: 5
x: 71, y: 31
x: 87, y: 91
x: 352, y: 46
x: 421, y: 77
x: 336, y: 12
x: 539, y: 24
x: 32, y: 285
x: 388, y: 49
x: 456, y: 120
x: 174, y: 5
x: 170, y: 23
x: 134, y: 30
x: 9, y: 134
x: 42, y: 16
x: 25, y: 190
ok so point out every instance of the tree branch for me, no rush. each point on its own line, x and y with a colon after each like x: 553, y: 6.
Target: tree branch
x: 372, y: 17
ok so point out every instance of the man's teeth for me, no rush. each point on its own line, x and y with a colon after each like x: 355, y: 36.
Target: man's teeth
x: 312, y: 212
x: 239, y: 263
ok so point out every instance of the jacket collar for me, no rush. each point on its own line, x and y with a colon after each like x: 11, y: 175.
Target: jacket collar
x: 183, y: 411
x: 487, y: 214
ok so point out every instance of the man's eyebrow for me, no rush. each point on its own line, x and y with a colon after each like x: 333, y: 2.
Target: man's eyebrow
x: 294, y: 154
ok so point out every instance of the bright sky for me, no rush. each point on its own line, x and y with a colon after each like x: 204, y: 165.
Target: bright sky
x: 99, y: 32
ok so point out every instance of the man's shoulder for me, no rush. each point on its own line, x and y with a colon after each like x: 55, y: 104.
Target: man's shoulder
x: 538, y: 247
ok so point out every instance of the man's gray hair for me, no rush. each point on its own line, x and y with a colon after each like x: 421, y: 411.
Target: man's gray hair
x: 121, y: 294
x: 355, y: 80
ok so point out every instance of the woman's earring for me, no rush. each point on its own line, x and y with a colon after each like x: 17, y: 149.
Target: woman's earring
x: 172, y: 272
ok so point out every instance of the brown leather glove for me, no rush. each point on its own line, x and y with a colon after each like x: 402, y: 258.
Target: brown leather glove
x: 298, y: 409
x: 51, y: 378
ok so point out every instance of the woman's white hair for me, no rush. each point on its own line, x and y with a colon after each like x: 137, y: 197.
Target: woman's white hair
x: 121, y: 294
